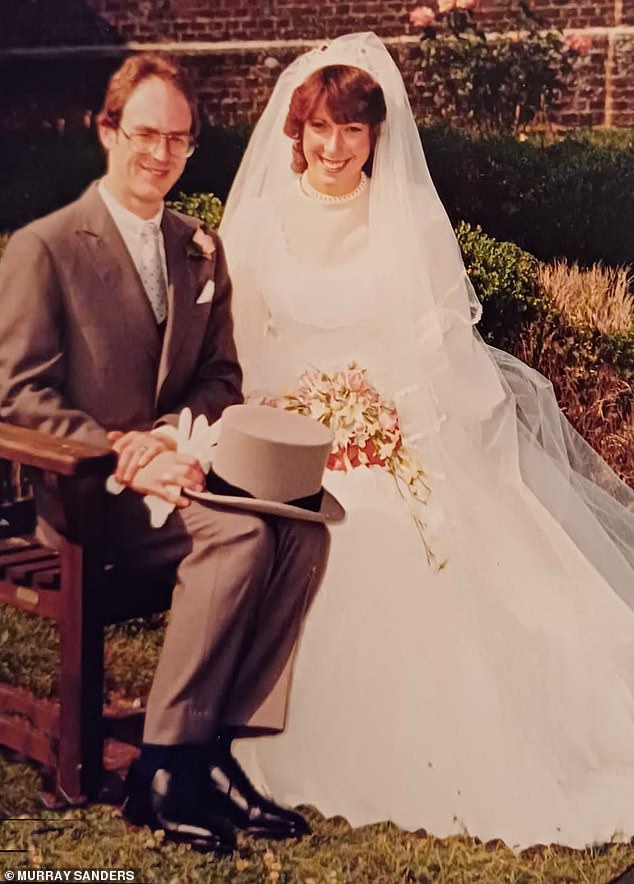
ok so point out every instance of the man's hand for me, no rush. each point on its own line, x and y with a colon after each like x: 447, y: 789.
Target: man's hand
x: 166, y: 474
x: 136, y: 449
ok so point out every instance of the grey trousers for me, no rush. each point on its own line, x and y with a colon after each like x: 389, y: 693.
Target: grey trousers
x: 242, y: 584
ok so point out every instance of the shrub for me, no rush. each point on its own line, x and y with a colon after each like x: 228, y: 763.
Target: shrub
x: 205, y: 206
x: 45, y: 170
x: 497, y: 82
x: 560, y: 332
x: 618, y: 350
x: 614, y: 139
x: 594, y: 396
x: 505, y: 279
x: 569, y: 199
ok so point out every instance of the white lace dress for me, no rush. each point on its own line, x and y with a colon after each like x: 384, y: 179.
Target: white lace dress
x: 495, y: 697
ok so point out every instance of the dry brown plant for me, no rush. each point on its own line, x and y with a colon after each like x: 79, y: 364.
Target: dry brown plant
x: 595, y: 399
x: 598, y: 297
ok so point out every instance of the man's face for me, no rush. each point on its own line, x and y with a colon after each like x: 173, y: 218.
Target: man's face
x: 140, y: 180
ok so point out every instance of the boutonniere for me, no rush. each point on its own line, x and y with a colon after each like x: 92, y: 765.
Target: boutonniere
x: 201, y: 245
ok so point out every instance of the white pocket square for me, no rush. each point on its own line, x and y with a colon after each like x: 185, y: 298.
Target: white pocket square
x: 207, y: 293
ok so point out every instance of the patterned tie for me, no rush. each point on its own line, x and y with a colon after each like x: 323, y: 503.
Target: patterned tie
x: 151, y: 271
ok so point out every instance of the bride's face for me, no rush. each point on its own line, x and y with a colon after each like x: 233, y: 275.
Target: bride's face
x: 335, y: 152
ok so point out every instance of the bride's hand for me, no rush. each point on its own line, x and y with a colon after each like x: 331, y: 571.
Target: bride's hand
x: 166, y: 474
x: 136, y: 449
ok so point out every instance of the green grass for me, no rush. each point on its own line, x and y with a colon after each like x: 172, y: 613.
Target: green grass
x: 97, y: 836
x: 29, y: 653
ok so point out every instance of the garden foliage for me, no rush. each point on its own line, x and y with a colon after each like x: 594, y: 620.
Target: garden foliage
x: 570, y: 199
x: 492, y: 82
x: 205, y: 206
x: 592, y: 371
x: 505, y: 280
x: 573, y: 198
x: 597, y: 297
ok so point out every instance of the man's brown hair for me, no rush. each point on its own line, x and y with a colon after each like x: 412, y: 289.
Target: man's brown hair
x: 134, y: 71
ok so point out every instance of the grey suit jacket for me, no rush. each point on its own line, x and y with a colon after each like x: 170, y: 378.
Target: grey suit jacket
x: 80, y: 352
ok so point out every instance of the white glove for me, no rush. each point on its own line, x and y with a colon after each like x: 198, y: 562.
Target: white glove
x: 197, y: 440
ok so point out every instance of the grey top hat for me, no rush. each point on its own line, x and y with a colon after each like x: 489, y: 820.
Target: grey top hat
x: 271, y: 461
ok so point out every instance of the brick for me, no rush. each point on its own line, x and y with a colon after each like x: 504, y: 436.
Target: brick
x: 241, y: 79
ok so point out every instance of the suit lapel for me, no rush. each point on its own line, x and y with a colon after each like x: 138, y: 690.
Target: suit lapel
x: 181, y: 292
x: 123, y: 289
x: 123, y: 292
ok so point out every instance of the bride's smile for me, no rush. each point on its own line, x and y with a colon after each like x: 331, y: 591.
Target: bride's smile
x: 333, y: 165
x: 335, y: 152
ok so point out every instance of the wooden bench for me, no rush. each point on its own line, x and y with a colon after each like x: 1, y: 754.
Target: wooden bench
x: 73, y: 584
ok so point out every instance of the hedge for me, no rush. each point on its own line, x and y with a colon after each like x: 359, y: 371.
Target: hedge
x: 49, y: 170
x: 573, y: 198
x: 505, y: 280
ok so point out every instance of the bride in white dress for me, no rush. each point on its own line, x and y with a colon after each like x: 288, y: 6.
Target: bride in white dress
x: 468, y: 664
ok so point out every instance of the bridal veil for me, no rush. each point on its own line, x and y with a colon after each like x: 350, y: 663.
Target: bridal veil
x: 465, y: 408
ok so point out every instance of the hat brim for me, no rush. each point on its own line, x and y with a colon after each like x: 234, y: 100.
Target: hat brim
x: 330, y: 511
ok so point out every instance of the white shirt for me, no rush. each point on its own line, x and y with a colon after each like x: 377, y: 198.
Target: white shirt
x: 130, y: 226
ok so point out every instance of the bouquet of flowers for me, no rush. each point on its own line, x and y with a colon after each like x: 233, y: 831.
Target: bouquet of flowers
x: 366, y: 432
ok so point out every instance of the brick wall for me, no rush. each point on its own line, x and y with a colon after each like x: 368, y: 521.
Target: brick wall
x: 554, y: 13
x: 235, y: 78
x: 46, y: 23
x: 622, y: 79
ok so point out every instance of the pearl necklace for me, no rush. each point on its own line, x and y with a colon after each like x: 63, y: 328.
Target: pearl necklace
x: 310, y: 191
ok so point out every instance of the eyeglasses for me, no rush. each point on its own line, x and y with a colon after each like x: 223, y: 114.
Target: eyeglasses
x: 181, y: 146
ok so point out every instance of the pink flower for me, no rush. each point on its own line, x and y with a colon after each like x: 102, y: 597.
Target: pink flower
x: 356, y: 381
x: 353, y: 455
x: 388, y: 420
x: 204, y: 243
x: 371, y: 452
x: 422, y: 16
x: 466, y: 4
x: 579, y: 44
x: 271, y: 402
x: 446, y: 6
x: 336, y: 461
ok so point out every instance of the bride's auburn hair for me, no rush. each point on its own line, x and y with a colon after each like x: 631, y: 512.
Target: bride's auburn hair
x: 351, y: 96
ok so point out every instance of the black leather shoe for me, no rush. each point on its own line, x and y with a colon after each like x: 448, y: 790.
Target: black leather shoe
x: 245, y: 807
x: 182, y: 804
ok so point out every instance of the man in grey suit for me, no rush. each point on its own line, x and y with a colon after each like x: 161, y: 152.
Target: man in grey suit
x: 115, y: 315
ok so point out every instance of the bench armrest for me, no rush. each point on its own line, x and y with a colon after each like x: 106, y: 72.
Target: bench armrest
x: 66, y: 457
